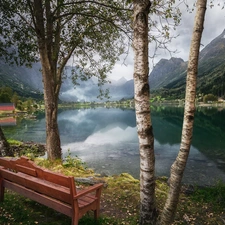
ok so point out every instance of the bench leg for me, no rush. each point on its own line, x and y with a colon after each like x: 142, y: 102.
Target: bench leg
x: 97, y: 211
x: 96, y: 214
x: 75, y: 218
x: 2, y: 189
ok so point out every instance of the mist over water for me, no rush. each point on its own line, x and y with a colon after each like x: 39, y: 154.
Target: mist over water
x: 106, y: 139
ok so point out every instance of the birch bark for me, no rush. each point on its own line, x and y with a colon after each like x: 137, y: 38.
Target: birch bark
x: 142, y: 107
x: 178, y: 166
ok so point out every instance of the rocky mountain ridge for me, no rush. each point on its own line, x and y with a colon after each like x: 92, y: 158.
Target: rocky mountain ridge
x: 168, y: 78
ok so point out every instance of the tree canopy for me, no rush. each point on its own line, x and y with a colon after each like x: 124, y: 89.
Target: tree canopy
x: 93, y: 32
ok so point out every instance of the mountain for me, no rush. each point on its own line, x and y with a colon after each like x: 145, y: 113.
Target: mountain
x: 25, y: 81
x: 168, y: 78
x: 89, y: 90
x: 166, y: 72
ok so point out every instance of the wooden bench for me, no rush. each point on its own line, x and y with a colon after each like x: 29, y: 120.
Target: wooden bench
x: 48, y: 188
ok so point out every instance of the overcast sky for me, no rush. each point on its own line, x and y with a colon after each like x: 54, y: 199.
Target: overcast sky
x: 214, y: 26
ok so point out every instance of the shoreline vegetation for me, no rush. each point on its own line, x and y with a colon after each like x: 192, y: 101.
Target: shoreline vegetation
x: 120, y: 197
x: 122, y: 103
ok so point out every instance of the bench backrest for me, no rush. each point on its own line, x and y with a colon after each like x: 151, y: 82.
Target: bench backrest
x: 24, y: 172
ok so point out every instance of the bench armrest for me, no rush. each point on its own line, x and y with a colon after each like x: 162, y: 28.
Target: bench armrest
x: 96, y: 187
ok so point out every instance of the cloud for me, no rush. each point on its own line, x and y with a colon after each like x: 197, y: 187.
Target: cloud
x: 112, y: 135
x: 121, y: 70
x: 214, y: 26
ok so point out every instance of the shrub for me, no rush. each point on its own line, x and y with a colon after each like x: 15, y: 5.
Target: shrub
x: 210, y: 98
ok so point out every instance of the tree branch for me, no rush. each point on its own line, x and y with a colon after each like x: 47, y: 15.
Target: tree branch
x: 93, y: 2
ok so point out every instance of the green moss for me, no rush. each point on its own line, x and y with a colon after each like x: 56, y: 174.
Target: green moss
x: 14, y: 142
x: 75, y: 169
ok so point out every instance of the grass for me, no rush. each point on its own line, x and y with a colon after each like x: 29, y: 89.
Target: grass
x: 119, y: 201
x: 120, y: 206
x: 17, y: 210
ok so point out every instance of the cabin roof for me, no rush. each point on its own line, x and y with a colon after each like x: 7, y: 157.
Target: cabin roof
x: 7, y: 107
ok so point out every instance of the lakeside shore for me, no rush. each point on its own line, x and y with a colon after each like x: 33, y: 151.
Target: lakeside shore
x: 119, y: 201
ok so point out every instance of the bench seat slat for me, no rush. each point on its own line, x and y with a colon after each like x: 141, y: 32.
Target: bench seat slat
x: 83, y: 202
x: 87, y: 199
x: 45, y: 187
x: 45, y: 200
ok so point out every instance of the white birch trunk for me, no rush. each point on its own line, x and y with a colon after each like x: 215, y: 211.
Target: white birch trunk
x: 142, y: 107
x: 178, y: 166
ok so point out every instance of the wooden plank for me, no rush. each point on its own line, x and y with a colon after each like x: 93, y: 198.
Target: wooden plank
x: 44, y: 173
x: 38, y: 197
x: 88, y: 198
x: 83, y: 203
x: 11, y: 163
x: 51, y: 189
x: 6, y: 162
x: 24, y: 161
x: 26, y: 170
x: 19, y: 164
x: 53, y: 177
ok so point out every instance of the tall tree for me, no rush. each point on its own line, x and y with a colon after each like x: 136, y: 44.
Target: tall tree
x: 162, y: 13
x: 142, y: 107
x: 179, y: 164
x: 54, y: 30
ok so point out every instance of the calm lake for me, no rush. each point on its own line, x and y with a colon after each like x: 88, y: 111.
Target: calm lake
x: 106, y: 139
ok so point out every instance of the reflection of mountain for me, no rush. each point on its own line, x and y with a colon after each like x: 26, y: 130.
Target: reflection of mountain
x: 208, y: 126
x: 167, y: 131
x: 208, y: 134
x: 77, y: 125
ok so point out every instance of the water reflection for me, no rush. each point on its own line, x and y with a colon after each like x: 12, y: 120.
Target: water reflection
x: 78, y: 125
x: 107, y: 140
x: 7, y: 121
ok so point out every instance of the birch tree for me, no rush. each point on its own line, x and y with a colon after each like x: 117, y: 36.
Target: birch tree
x: 142, y: 108
x: 143, y: 33
x: 179, y: 164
